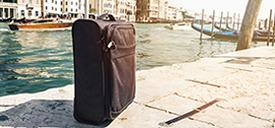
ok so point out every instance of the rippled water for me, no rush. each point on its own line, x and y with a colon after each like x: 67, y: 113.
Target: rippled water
x: 36, y: 61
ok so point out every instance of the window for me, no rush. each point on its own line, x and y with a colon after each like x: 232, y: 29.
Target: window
x: 76, y: 10
x: 36, y: 13
x: 66, y: 9
x: 52, y: 8
x: 66, y: 2
x: 61, y: 2
x: 55, y: 9
x: 71, y: 3
x: 52, y: 1
x: 22, y: 13
x: 29, y: 13
x: 1, y: 12
x: 6, y: 10
x: 75, y: 3
x: 55, y: 2
x: 61, y: 10
x: 46, y: 8
x: 10, y: 1
x: 71, y: 10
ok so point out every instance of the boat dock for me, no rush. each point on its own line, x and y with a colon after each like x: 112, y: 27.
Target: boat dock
x: 234, y: 90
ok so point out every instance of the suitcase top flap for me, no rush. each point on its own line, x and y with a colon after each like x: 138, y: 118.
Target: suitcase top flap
x: 120, y: 35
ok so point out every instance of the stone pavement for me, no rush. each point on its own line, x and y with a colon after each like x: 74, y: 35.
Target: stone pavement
x: 243, y: 83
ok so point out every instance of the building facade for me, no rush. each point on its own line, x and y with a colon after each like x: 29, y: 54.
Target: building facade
x: 148, y: 10
x: 156, y: 11
x: 69, y: 8
x: 29, y: 9
x: 8, y: 9
x: 125, y: 9
x: 121, y: 9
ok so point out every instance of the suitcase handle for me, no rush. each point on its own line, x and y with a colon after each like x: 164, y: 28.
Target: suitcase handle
x: 106, y: 16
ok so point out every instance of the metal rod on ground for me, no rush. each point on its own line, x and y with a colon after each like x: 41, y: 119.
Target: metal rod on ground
x: 202, y: 22
x: 248, y: 24
x: 269, y: 25
x: 191, y: 113
x: 234, y: 16
x: 273, y: 30
x: 213, y: 23
x: 221, y: 21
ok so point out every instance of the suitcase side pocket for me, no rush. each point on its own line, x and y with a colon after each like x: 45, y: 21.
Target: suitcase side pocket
x: 122, y: 60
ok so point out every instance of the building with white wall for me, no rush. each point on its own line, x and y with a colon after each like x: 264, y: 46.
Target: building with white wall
x: 8, y: 8
x: 125, y: 9
x: 29, y: 9
x: 121, y: 9
x: 70, y: 8
x: 172, y: 13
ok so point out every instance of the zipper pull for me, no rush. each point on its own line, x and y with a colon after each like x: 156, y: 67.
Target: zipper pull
x: 111, y: 45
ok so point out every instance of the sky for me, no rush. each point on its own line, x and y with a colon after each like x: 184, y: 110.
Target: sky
x: 233, y: 6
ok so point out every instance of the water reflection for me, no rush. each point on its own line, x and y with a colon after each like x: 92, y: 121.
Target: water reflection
x: 34, y: 61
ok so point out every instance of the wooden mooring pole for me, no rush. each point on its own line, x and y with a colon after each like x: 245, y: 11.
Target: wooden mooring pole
x: 227, y: 19
x: 238, y: 23
x: 269, y: 26
x: 273, y: 30
x: 248, y: 24
x: 213, y: 23
x: 265, y: 24
x: 202, y: 22
x: 259, y: 25
x: 234, y: 16
x: 221, y: 21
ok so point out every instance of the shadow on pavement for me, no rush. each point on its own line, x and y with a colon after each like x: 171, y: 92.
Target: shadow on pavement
x: 42, y: 113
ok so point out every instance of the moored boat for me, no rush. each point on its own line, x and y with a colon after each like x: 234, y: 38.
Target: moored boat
x: 180, y: 26
x: 5, y: 20
x: 225, y: 35
x: 41, y: 25
x: 230, y: 35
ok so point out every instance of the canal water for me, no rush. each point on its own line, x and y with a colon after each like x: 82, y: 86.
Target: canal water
x: 35, y: 61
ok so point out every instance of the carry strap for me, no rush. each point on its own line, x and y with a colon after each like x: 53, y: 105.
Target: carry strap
x: 106, y: 16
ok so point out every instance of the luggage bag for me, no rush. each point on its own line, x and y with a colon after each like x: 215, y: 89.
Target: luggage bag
x: 104, y: 67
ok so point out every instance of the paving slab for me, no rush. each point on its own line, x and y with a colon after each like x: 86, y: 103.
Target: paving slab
x: 229, y: 119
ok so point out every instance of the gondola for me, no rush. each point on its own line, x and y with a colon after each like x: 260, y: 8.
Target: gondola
x: 230, y: 35
x: 5, y: 20
x: 225, y: 35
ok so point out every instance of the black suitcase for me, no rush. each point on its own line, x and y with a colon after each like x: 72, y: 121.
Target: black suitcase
x: 104, y: 67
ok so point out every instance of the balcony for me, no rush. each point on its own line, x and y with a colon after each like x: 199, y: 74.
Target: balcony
x: 29, y: 6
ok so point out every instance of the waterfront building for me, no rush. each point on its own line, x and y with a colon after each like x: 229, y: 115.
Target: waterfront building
x: 156, y: 11
x: 163, y: 4
x: 147, y: 10
x: 125, y: 9
x: 69, y: 8
x: 29, y: 9
x: 172, y: 13
x: 121, y: 9
x: 8, y: 8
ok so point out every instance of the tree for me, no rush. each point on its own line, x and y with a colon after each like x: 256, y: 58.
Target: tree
x: 248, y: 24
